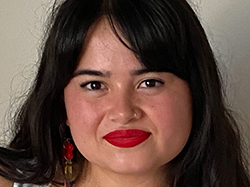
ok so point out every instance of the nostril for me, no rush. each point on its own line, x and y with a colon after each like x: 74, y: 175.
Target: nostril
x: 123, y: 116
x: 122, y: 108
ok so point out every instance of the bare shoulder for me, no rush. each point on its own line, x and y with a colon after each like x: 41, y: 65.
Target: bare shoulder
x: 5, y: 183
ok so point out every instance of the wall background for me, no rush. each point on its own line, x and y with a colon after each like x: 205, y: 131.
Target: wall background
x: 226, y: 22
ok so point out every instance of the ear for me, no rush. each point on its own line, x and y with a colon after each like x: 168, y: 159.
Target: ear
x: 67, y: 123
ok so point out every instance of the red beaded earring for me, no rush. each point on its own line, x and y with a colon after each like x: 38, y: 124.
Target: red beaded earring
x: 68, y: 156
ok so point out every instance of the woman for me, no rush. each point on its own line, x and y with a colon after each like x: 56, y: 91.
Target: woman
x: 127, y: 94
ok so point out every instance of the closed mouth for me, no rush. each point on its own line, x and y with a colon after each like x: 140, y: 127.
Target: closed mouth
x: 127, y: 138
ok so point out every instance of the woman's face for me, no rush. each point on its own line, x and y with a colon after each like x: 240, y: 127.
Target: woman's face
x: 122, y: 118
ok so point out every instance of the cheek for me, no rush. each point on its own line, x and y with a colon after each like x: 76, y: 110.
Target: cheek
x: 82, y: 121
x: 81, y: 118
x: 81, y: 115
x: 172, y: 116
x: 172, y: 111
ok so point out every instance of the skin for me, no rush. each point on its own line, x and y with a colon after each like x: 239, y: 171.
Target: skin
x: 116, y: 93
x: 6, y: 183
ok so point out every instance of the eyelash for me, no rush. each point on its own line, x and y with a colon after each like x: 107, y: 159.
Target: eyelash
x: 89, y: 85
x: 155, y: 83
x: 92, y: 85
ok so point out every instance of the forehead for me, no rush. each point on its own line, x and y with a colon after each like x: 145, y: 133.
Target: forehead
x: 102, y: 46
x: 100, y: 34
x: 98, y: 30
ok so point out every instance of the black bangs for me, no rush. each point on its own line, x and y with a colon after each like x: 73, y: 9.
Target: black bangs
x: 155, y: 31
x: 70, y: 23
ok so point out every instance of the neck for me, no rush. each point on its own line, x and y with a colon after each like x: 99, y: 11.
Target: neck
x: 102, y: 178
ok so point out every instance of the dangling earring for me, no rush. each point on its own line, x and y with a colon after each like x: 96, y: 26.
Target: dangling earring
x: 68, y: 156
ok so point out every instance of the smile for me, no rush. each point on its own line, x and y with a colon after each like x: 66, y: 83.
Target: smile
x: 126, y: 138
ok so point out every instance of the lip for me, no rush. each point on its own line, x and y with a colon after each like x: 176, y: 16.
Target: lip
x: 127, y: 138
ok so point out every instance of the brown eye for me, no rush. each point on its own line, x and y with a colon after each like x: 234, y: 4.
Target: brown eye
x: 93, y: 85
x: 150, y: 83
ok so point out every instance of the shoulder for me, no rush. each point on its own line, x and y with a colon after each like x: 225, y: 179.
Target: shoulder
x: 5, y: 182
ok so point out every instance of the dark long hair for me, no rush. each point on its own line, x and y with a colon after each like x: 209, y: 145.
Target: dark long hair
x: 165, y: 35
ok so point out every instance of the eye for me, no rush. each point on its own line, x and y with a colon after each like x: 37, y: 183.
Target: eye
x: 151, y: 83
x: 93, y: 85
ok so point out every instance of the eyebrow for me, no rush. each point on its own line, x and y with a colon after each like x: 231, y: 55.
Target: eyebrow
x: 107, y: 73
x: 91, y: 72
x: 141, y: 71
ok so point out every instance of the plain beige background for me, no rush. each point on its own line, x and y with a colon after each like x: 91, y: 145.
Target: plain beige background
x: 227, y: 23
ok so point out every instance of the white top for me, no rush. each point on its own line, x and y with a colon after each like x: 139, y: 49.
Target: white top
x: 29, y: 185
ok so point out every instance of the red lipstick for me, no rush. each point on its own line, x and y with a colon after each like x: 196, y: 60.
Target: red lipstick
x: 126, y: 138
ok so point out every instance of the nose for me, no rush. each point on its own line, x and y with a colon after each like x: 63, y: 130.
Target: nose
x: 123, y: 109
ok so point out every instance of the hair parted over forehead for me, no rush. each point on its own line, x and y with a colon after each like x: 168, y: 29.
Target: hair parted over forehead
x: 165, y: 35
x: 156, y: 31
